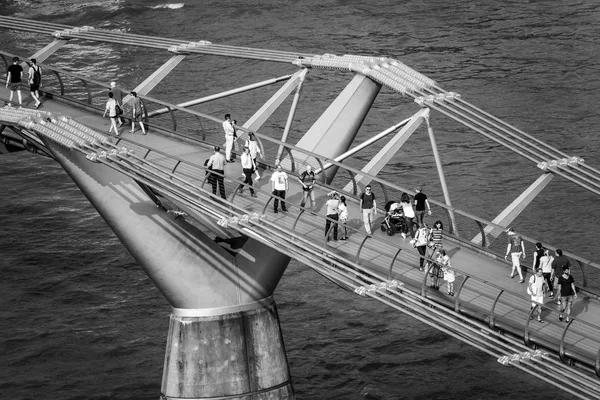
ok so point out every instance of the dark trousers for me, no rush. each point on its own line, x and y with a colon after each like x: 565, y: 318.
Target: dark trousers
x: 549, y: 282
x: 217, y: 180
x: 279, y: 193
x: 409, y: 227
x: 248, y: 179
x: 328, y: 225
x: 422, y: 250
x: 420, y: 216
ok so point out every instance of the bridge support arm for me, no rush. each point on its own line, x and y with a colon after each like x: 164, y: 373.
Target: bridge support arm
x: 150, y: 83
x: 41, y: 55
x: 391, y: 148
x: 508, y: 215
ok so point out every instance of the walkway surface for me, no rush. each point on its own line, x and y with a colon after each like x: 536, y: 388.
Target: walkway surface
x: 488, y: 282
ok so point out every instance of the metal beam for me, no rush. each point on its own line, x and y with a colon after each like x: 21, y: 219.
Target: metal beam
x: 508, y: 215
x: 150, y: 83
x: 223, y: 94
x: 51, y: 48
x: 390, y: 149
x: 365, y: 144
x: 440, y: 169
x: 291, y: 115
x: 260, y: 116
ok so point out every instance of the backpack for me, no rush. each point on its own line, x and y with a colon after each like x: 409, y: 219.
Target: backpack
x: 37, y: 76
x: 118, y: 109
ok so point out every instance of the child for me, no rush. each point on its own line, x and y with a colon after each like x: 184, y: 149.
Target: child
x: 444, y: 260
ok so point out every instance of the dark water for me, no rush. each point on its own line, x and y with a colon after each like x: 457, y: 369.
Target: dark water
x: 79, y: 319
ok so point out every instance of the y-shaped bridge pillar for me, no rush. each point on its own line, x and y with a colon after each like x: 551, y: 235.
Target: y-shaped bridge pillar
x: 224, y: 338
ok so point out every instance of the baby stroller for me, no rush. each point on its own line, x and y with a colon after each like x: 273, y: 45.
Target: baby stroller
x: 394, y: 219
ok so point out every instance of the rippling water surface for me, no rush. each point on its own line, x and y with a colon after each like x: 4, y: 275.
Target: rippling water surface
x: 80, y: 320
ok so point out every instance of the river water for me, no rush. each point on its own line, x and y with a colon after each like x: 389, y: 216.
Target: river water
x: 80, y: 320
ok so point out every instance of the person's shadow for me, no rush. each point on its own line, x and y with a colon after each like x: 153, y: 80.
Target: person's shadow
x: 580, y: 306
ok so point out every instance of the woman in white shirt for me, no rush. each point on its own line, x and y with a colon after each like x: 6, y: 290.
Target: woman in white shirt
x: 332, y: 206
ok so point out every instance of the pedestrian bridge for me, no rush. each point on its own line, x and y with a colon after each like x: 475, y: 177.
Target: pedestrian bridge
x: 165, y: 170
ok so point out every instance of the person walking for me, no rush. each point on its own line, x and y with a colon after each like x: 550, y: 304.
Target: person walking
x: 254, y: 151
x: 568, y: 293
x: 516, y: 249
x: 248, y: 168
x: 368, y: 207
x: 421, y: 205
x: 538, y: 253
x: 332, y: 206
x: 436, y: 235
x: 535, y: 289
x: 307, y: 180
x: 14, y: 75
x: 137, y: 113
x: 409, y: 215
x: 35, y: 81
x: 547, y: 272
x: 111, y: 109
x: 559, y: 263
x: 118, y: 96
x: 343, y: 217
x: 279, y: 185
x: 229, y: 136
x: 216, y: 163
x: 448, y: 273
x: 420, y: 241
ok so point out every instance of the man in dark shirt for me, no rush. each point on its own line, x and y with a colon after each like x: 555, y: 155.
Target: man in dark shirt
x: 307, y: 179
x: 421, y: 205
x: 566, y: 288
x: 558, y: 264
x: 14, y: 74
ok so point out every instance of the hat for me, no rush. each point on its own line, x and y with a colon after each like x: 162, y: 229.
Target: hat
x: 217, y: 148
x: 113, y: 84
x: 417, y: 189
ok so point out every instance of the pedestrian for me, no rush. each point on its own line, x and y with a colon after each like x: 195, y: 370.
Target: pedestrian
x: 118, y: 96
x: 137, y: 113
x: 14, y: 75
x: 420, y: 241
x: 254, y: 150
x: 566, y: 288
x: 229, y: 136
x: 111, y: 108
x: 216, y: 163
x: 248, y: 168
x: 538, y: 253
x: 447, y: 271
x: 343, y: 217
x: 547, y: 271
x: 332, y: 206
x: 279, y: 185
x: 558, y: 264
x: 516, y: 249
x: 421, y: 205
x: 409, y: 215
x: 35, y: 81
x: 436, y: 235
x: 307, y: 180
x: 368, y: 207
x: 535, y: 289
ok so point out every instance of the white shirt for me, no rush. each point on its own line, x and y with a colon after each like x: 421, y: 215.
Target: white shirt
x: 279, y: 180
x: 247, y: 162
x: 408, y: 210
x: 536, y: 284
x: 332, y: 206
x: 228, y: 127
x: 546, y: 264
x: 253, y: 146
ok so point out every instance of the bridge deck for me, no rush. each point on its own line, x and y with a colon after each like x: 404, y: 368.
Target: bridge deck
x: 488, y: 277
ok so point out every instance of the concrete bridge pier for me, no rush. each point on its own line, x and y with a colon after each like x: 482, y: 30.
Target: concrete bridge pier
x: 224, y: 340
x: 230, y: 353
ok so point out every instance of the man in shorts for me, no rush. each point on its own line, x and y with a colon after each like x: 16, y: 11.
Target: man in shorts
x: 516, y: 249
x: 35, y: 81
x: 566, y: 288
x: 14, y: 74
x: 307, y: 179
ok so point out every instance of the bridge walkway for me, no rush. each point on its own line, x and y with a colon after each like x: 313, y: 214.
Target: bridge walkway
x: 483, y: 289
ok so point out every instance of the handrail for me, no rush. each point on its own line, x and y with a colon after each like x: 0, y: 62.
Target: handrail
x: 384, y: 184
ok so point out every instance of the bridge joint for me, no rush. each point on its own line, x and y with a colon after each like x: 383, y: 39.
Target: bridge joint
x: 185, y: 47
x: 554, y: 165
x: 68, y: 33
x: 426, y: 101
